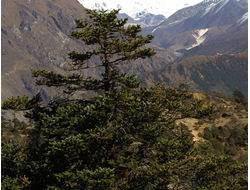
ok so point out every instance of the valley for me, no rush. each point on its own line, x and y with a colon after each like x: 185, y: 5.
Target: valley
x: 39, y: 40
x: 145, y: 103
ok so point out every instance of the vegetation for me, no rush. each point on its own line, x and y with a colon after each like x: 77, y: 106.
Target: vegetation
x: 239, y: 97
x: 13, y: 128
x: 123, y: 138
x: 226, y: 140
x: 206, y: 73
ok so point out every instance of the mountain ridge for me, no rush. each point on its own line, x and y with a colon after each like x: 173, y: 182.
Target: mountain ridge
x: 214, y: 73
x: 178, y: 30
x: 35, y: 34
x: 138, y: 9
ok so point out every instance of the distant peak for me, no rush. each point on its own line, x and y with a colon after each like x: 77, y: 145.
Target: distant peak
x: 135, y: 8
x: 211, y: 1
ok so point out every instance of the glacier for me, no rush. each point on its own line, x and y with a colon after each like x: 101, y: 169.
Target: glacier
x: 136, y: 9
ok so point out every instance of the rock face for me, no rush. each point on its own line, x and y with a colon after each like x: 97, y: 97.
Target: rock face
x: 35, y: 35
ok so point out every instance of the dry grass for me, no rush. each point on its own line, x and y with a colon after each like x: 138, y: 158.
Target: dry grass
x: 197, y: 126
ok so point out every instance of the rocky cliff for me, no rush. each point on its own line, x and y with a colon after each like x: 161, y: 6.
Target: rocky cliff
x: 35, y: 35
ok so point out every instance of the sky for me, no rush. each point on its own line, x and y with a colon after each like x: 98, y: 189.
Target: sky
x: 164, y: 7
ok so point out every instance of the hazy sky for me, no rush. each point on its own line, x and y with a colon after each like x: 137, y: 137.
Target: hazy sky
x: 165, y: 7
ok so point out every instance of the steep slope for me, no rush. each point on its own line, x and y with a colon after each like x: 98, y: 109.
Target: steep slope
x: 218, y: 73
x: 235, y: 39
x: 221, y: 21
x: 35, y: 34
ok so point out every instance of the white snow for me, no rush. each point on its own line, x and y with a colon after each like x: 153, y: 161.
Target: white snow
x: 209, y: 7
x: 130, y: 7
x: 223, y: 3
x: 170, y: 24
x: 214, y: 3
x: 243, y: 18
x: 199, y: 36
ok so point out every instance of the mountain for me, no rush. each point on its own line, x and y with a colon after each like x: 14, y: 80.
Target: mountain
x: 146, y: 20
x: 35, y: 35
x: 215, y: 73
x: 202, y: 24
x: 145, y: 13
x: 139, y: 9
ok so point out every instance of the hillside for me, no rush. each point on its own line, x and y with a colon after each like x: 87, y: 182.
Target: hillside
x: 215, y: 73
x: 123, y: 136
x: 35, y: 35
x: 205, y: 23
x: 221, y: 131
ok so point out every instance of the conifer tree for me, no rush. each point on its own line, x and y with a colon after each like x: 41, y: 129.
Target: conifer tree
x: 239, y: 97
x: 122, y: 139
x: 112, y: 44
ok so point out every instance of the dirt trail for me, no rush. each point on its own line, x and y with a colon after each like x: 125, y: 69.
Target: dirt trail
x: 197, y: 127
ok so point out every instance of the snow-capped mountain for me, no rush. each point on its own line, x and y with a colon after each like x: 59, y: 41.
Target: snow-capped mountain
x: 35, y: 35
x: 208, y: 22
x: 223, y: 10
x: 138, y: 9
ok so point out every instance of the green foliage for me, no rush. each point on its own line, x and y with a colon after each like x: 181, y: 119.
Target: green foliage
x: 122, y: 139
x: 239, y: 97
x: 213, y: 70
x: 199, y: 109
x: 111, y: 43
x: 226, y: 140
x: 21, y: 103
x: 212, y: 172
x: 125, y: 139
x: 12, y: 155
x: 183, y: 86
x: 116, y: 139
x: 15, y: 103
x: 5, y: 123
x: 12, y: 129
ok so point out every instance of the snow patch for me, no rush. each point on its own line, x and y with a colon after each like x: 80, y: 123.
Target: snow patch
x: 223, y: 3
x: 199, y: 36
x: 243, y: 18
x: 132, y: 8
x: 170, y: 24
x: 209, y: 7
